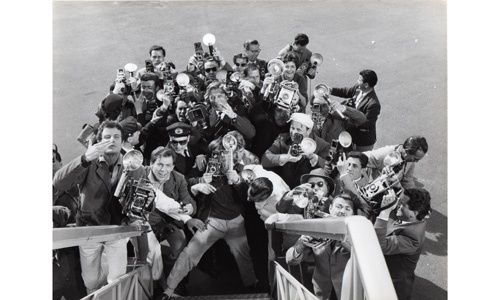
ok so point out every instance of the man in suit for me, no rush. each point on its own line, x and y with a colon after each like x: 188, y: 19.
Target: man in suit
x: 287, y: 164
x: 401, y: 235
x: 362, y: 97
x: 97, y: 173
x: 330, y: 256
x: 252, y: 50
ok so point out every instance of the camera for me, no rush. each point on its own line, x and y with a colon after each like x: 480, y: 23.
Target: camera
x: 87, y: 134
x: 215, y: 167
x: 295, y: 148
x: 198, y: 116
x: 149, y: 65
x: 137, y: 199
x: 380, y: 185
x: 287, y: 92
x: 121, y: 78
x: 315, y: 208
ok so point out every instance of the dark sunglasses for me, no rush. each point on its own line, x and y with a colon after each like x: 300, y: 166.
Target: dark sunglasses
x: 319, y: 183
x: 179, y: 142
x: 240, y: 65
x: 210, y: 70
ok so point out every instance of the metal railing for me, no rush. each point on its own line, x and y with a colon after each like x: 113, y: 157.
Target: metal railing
x: 137, y: 284
x: 366, y: 275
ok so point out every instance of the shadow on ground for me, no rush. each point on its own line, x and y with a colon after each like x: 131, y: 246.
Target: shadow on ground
x: 423, y: 289
x: 436, y: 241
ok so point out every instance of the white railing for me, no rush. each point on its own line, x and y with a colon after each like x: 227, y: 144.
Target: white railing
x: 77, y: 236
x: 137, y: 284
x: 290, y: 288
x: 366, y: 275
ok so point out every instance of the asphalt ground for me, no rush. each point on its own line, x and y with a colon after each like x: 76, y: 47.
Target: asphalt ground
x: 404, y: 42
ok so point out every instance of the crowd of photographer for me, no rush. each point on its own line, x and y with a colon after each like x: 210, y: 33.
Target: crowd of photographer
x: 211, y: 151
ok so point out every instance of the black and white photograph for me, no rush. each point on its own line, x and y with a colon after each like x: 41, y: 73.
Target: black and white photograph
x: 250, y: 150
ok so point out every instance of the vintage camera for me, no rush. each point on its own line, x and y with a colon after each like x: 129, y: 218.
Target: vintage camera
x: 215, y: 166
x: 288, y: 90
x: 87, y: 134
x: 149, y: 65
x: 315, y: 208
x: 209, y: 41
x: 316, y: 60
x: 380, y: 185
x: 319, y: 112
x: 137, y: 199
x: 215, y: 163
x: 295, y: 148
x: 337, y: 148
x: 198, y: 116
x: 121, y: 78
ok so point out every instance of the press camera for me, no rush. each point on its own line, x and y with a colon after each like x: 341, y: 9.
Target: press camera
x: 136, y: 195
x: 137, y: 199
x: 338, y: 148
x: 387, y: 180
x: 288, y: 92
x: 316, y: 60
x: 197, y: 115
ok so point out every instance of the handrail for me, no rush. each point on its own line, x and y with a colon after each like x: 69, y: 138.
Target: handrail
x: 290, y: 288
x: 367, y: 261
x: 76, y: 236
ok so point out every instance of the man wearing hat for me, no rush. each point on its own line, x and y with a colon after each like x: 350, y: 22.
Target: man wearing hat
x: 115, y: 108
x: 187, y: 157
x: 291, y: 167
x: 317, y: 182
x: 131, y: 134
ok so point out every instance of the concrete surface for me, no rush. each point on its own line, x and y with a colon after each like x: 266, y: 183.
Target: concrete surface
x: 404, y: 42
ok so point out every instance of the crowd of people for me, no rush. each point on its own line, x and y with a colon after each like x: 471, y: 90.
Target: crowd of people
x: 224, y: 147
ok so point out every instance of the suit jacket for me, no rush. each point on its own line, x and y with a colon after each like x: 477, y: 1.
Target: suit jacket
x: 363, y: 134
x: 401, y: 245
x: 291, y: 172
x: 98, y: 205
x: 177, y: 190
x: 330, y: 262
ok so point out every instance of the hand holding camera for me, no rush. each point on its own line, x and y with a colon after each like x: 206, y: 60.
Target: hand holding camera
x: 285, y: 158
x: 335, y: 106
x: 389, y: 202
x: 218, y: 56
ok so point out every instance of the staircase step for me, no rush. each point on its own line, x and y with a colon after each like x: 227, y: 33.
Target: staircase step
x: 227, y: 297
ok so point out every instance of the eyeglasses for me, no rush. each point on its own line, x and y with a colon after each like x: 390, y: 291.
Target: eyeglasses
x: 240, y: 65
x: 318, y: 183
x: 211, y: 70
x: 174, y: 142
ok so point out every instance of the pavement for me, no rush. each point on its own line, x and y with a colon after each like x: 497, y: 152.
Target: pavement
x: 404, y: 42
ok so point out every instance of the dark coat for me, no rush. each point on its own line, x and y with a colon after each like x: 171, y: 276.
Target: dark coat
x: 99, y: 206
x: 363, y: 134
x: 401, y: 244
